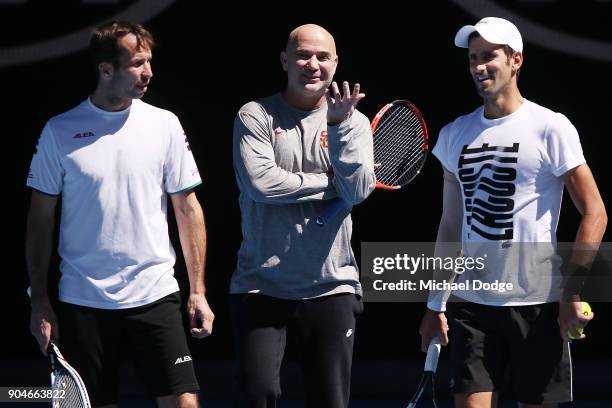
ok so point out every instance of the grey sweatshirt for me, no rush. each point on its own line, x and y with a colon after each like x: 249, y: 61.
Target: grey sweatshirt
x: 288, y: 165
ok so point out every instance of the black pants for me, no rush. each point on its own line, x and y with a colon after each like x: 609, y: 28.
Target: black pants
x: 325, y: 328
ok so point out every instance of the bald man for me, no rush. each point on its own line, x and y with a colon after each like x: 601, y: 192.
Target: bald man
x: 293, y: 152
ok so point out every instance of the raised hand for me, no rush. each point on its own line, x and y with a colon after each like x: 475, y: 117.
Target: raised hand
x: 341, y: 107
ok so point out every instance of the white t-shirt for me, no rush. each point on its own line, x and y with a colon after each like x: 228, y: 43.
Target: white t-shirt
x: 113, y: 170
x: 509, y: 170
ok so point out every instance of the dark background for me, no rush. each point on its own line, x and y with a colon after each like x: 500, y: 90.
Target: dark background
x: 212, y: 59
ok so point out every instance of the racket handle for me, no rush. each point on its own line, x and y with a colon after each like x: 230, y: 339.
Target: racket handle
x: 433, y: 352
x: 330, y: 211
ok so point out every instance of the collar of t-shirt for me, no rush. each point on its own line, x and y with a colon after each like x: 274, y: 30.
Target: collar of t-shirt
x: 504, y: 119
x: 114, y: 114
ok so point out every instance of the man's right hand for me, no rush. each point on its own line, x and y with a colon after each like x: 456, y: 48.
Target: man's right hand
x: 43, y: 323
x: 434, y: 324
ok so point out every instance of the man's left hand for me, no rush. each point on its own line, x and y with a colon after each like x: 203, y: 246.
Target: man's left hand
x: 200, y: 316
x: 570, y: 318
x: 341, y: 107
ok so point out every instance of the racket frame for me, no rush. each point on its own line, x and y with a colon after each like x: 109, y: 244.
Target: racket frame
x: 337, y: 204
x: 58, y: 362
x: 429, y: 372
x: 419, y: 116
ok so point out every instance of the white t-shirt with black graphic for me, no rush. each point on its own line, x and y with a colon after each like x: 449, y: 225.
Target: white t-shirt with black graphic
x: 114, y: 171
x: 509, y: 170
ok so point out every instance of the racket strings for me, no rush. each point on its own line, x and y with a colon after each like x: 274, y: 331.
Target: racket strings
x: 403, y: 170
x: 399, y: 146
x: 71, y: 396
x: 402, y: 145
x: 412, y: 154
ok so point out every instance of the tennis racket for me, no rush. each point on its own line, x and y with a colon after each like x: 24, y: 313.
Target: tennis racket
x: 67, y: 387
x: 400, y: 150
x: 426, y: 386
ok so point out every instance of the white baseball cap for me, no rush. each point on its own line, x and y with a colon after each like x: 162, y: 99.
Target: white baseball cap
x: 494, y: 30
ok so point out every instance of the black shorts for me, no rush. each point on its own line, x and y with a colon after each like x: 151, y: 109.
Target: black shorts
x: 519, y: 348
x: 95, y: 341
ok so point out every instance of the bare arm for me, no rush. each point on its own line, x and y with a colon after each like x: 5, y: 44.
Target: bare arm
x: 192, y: 233
x: 585, y: 195
x: 39, y: 239
x: 449, y: 229
x: 448, y: 243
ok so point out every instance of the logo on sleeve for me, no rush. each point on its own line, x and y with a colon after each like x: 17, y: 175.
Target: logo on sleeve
x: 323, y: 139
x: 83, y: 134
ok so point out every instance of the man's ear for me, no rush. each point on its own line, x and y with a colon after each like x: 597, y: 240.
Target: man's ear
x: 106, y: 70
x: 283, y: 60
x: 517, y: 61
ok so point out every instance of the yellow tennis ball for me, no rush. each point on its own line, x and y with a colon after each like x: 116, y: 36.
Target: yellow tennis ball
x: 586, y: 311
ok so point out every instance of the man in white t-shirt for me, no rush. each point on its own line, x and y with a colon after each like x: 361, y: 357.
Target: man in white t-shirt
x: 505, y: 166
x: 114, y: 160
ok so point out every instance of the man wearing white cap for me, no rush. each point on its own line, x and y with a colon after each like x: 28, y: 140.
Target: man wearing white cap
x: 505, y: 167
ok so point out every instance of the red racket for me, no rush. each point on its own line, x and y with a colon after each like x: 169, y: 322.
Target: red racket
x: 400, y: 150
